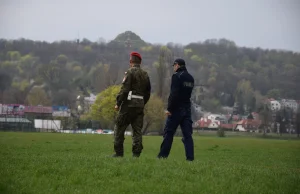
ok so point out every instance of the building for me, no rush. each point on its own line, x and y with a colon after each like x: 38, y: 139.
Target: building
x: 197, y: 108
x: 208, y: 123
x: 247, y: 125
x: 217, y: 117
x: 288, y: 103
x: 275, y: 105
x: 8, y: 123
x: 61, y: 111
x: 205, y: 123
x: 90, y: 100
x: 12, y: 109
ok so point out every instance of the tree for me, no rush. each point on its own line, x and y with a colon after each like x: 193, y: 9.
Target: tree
x: 5, y: 81
x: 51, y: 73
x: 212, y: 105
x: 154, y: 113
x: 240, y: 102
x: 212, y: 76
x: 288, y: 112
x: 14, y: 55
x: 278, y: 119
x: 62, y: 59
x: 245, y: 95
x: 281, y: 117
x: 187, y: 51
x: 162, y: 66
x: 103, y: 108
x: 274, y: 93
x: 298, y: 121
x: 265, y: 116
x: 196, y: 58
x: 63, y: 97
x: 38, y: 96
x: 250, y: 116
x: 71, y: 66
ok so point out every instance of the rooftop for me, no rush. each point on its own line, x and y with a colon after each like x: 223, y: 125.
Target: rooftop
x: 14, y: 120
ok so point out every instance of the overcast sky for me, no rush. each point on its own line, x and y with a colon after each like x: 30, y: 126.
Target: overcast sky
x: 252, y: 23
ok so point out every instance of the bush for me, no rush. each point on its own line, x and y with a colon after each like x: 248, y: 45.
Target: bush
x: 221, y: 132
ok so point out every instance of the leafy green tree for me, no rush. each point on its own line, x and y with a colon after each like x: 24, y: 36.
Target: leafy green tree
x: 154, y: 113
x: 103, y: 108
x: 38, y: 96
x: 274, y: 93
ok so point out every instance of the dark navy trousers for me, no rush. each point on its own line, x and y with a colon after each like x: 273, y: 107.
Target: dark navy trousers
x: 181, y: 117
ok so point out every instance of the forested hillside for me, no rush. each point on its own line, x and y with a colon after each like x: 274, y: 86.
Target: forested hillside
x: 35, y: 72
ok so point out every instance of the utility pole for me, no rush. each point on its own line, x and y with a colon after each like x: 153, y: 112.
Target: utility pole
x: 128, y: 43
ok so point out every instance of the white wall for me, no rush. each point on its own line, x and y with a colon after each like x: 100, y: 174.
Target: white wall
x: 47, y: 124
x: 275, y: 105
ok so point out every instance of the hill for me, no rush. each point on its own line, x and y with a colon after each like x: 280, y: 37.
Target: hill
x: 129, y: 39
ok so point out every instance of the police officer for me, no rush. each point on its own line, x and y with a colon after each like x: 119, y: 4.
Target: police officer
x: 133, y: 96
x: 179, y: 111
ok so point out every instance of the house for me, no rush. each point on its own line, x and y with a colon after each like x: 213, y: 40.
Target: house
x: 199, y: 92
x: 90, y: 100
x: 12, y: 109
x: 197, y: 107
x: 61, y: 111
x: 35, y: 112
x: 228, y: 126
x: 217, y: 117
x: 247, y: 125
x: 275, y: 105
x: 208, y: 123
x: 214, y: 124
x: 288, y: 103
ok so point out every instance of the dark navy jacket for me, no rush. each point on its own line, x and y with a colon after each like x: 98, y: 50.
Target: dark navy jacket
x: 181, y: 90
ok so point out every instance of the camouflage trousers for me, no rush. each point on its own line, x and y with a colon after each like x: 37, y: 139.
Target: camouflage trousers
x: 133, y: 116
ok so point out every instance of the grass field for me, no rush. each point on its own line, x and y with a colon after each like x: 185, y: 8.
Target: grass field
x: 80, y: 163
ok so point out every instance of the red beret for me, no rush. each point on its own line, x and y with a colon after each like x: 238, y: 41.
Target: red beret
x: 136, y: 54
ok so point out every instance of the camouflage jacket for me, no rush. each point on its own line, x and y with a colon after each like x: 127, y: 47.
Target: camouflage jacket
x: 137, y: 81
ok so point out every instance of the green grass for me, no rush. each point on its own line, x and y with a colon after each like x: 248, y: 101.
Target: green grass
x: 283, y: 136
x: 80, y: 163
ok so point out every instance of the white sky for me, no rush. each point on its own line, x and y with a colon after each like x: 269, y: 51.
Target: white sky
x: 252, y: 23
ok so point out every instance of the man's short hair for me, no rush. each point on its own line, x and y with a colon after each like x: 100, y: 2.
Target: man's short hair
x: 136, y: 60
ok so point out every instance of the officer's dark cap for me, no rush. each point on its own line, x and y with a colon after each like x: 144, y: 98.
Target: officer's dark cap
x: 179, y: 61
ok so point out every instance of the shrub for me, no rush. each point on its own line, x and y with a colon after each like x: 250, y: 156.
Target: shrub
x: 221, y: 132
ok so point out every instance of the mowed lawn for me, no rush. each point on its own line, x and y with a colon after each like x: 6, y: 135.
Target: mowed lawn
x: 81, y: 163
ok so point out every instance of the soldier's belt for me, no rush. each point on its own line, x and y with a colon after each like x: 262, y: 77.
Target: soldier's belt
x: 130, y: 95
x: 136, y: 96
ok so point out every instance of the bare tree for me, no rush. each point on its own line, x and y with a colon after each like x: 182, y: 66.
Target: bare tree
x: 298, y: 121
x: 163, y: 67
x: 265, y: 116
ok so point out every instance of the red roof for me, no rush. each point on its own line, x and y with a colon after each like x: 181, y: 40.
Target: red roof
x: 38, y: 109
x: 227, y: 126
x: 235, y: 117
x: 249, y: 122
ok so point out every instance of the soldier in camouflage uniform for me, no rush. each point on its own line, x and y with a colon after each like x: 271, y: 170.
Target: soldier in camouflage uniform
x: 133, y: 96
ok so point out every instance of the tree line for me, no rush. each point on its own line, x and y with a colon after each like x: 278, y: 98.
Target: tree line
x: 43, y: 73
